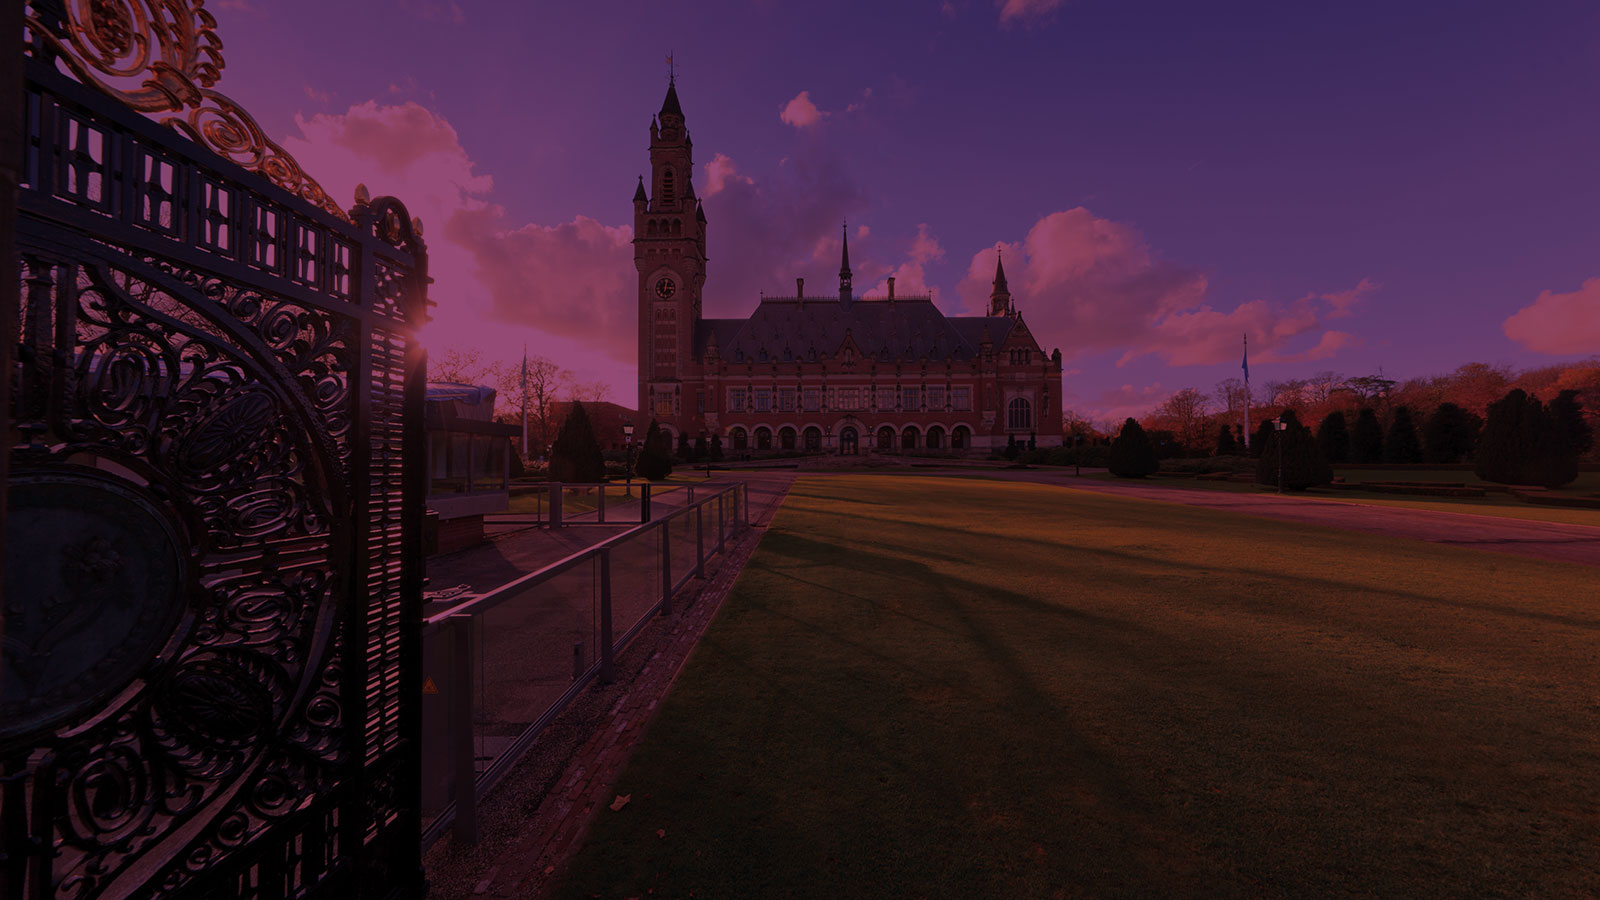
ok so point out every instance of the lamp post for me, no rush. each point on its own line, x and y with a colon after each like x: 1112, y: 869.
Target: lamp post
x: 1077, y: 454
x: 1279, y: 426
x: 627, y: 437
x: 706, y: 443
x: 827, y: 440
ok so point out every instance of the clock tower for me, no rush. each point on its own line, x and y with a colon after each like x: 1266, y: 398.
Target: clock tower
x: 669, y: 252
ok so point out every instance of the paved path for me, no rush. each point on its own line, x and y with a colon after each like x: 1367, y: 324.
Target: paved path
x: 1523, y: 537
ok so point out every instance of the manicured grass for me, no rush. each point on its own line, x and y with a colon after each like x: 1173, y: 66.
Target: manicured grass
x: 937, y: 687
x: 1500, y: 505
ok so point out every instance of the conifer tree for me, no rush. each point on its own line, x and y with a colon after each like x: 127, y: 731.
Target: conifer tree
x: 655, y: 457
x: 1302, y: 464
x: 1401, y: 445
x: 684, y: 453
x: 700, y: 448
x: 1567, y: 409
x: 716, y: 446
x: 1225, y: 444
x: 575, y: 458
x: 1260, y: 438
x: 1366, y: 438
x: 1333, y: 438
x: 1522, y: 443
x: 1132, y: 455
x: 1449, y: 434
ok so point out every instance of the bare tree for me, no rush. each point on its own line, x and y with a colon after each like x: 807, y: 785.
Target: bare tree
x: 1185, y: 412
x: 1230, y: 395
x: 589, y: 391
x: 1288, y: 393
x: 545, y: 380
x: 463, y: 367
x: 1322, y: 386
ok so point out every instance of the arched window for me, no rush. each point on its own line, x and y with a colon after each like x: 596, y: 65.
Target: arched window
x: 786, y: 438
x: 908, y: 438
x: 885, y: 438
x: 960, y: 438
x: 847, y: 441
x: 651, y: 228
x: 666, y: 186
x: 739, y: 439
x: 813, y: 439
x: 677, y: 226
x: 763, y: 438
x: 1019, y: 414
x: 935, y: 438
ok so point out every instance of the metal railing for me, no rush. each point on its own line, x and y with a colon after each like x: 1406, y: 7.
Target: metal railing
x: 559, y: 504
x: 499, y: 667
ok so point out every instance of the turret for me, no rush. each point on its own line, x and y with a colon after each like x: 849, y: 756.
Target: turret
x: 1000, y: 297
x: 844, y: 268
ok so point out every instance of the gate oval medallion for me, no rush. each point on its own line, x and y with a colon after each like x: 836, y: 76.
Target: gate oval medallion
x: 93, y: 592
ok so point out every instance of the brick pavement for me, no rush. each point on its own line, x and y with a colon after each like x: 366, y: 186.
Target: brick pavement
x: 522, y: 863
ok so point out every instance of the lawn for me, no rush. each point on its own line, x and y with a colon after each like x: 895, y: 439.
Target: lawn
x: 938, y: 687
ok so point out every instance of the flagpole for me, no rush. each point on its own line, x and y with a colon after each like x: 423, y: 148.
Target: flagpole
x: 1247, y: 394
x: 525, y: 454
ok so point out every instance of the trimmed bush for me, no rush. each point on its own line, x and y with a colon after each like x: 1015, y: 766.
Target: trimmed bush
x: 1260, y: 438
x: 575, y: 458
x: 685, y: 452
x: 1366, y: 438
x: 1303, y: 465
x: 1132, y: 455
x: 1567, y: 410
x: 1402, y: 445
x: 655, y: 457
x: 716, y: 446
x: 700, y: 448
x: 1333, y: 438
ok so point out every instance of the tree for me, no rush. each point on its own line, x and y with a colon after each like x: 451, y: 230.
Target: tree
x: 462, y: 367
x: 1449, y: 433
x: 576, y: 458
x: 1185, y: 412
x: 589, y: 391
x: 544, y: 382
x: 1402, y: 445
x: 1012, y: 450
x: 1522, y: 443
x: 1260, y: 438
x: 1370, y: 388
x: 700, y: 450
x: 1567, y: 410
x: 1301, y: 464
x: 1366, y: 439
x: 684, y: 452
x: 1225, y: 443
x: 1230, y: 395
x: 1132, y: 455
x: 1333, y: 438
x: 655, y: 457
x: 716, y: 446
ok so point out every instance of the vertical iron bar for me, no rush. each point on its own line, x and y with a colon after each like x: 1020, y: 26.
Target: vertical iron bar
x: 602, y: 507
x: 644, y: 503
x: 608, y: 664
x: 700, y: 541
x: 666, y: 566
x: 555, y: 505
x: 464, y: 744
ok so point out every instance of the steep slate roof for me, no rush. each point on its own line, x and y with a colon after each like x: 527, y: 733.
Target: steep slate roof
x: 906, y: 329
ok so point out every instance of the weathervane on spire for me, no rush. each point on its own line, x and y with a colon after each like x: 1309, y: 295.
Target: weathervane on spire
x: 672, y: 70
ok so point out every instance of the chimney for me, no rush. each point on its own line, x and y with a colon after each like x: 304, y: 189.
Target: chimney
x: 799, y: 287
x: 891, y: 287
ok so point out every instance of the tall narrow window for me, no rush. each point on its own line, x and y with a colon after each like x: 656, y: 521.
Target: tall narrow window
x: 1019, y: 414
x: 666, y: 186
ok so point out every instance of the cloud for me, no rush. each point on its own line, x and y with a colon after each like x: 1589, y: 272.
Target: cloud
x: 572, y: 282
x: 947, y: 9
x: 1118, y: 404
x: 1340, y: 304
x: 1095, y: 285
x: 575, y: 279
x: 1012, y: 11
x: 1559, y: 324
x: 911, y: 276
x: 320, y: 96
x: 801, y: 112
x: 719, y: 172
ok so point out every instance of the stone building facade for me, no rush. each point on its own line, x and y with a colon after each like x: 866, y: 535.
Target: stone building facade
x: 836, y: 373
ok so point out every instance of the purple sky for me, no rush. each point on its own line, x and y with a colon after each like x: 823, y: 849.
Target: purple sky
x: 1405, y: 185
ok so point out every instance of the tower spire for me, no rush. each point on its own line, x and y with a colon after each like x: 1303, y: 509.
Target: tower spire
x: 1000, y: 297
x: 844, y: 266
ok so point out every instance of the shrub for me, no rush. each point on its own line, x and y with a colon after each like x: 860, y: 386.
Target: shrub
x: 1449, y: 433
x: 1302, y: 463
x: 700, y: 448
x: 1402, y: 445
x: 1366, y: 438
x: 575, y: 458
x: 716, y: 446
x: 655, y: 457
x: 1012, y: 450
x: 1225, y: 444
x: 1260, y: 438
x: 685, y: 452
x: 1132, y: 455
x: 1523, y: 443
x: 1333, y: 438
x: 1567, y: 410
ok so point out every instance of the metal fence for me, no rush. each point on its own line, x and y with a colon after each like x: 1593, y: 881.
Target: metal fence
x: 499, y: 667
x: 559, y: 504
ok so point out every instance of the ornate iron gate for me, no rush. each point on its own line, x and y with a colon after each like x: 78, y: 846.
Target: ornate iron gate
x: 213, y: 569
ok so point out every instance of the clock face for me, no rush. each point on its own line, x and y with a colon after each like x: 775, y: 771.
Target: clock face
x: 665, y: 288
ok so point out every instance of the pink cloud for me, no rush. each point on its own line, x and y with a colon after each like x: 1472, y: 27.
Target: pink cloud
x: 1095, y: 285
x: 719, y: 172
x: 801, y: 112
x: 1116, y: 405
x: 574, y: 280
x: 1559, y: 323
x: 911, y: 276
x: 1012, y: 11
x: 1341, y: 303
